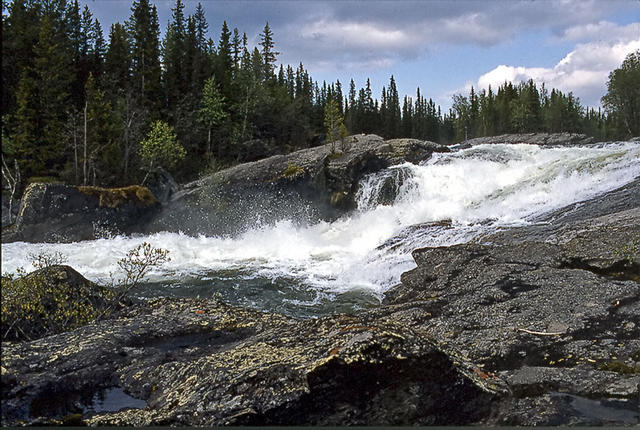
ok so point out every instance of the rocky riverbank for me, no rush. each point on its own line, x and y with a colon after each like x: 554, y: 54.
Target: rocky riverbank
x: 534, y: 325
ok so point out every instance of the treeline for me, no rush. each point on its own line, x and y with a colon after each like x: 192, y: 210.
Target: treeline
x: 76, y: 105
x: 525, y: 108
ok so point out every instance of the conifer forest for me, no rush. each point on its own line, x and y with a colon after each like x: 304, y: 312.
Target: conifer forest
x: 82, y: 104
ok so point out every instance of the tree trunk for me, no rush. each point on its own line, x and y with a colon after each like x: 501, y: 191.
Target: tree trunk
x: 75, y: 148
x: 84, y: 158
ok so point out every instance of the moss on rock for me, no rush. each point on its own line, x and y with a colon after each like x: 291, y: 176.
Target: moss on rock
x: 115, y: 197
x: 293, y: 171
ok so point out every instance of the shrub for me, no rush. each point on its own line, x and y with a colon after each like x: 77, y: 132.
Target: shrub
x: 49, y: 300
x: 56, y: 298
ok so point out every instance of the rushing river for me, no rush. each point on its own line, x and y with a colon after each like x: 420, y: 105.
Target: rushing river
x: 348, y: 264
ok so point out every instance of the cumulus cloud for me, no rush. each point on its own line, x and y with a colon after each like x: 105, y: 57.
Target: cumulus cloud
x: 584, y: 71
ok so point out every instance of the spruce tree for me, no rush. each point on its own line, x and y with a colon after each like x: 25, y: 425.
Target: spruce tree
x: 144, y: 31
x: 268, y: 52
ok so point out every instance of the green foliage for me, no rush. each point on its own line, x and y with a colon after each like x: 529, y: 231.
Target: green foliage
x: 161, y: 147
x: 623, y: 95
x: 56, y: 63
x: 46, y: 302
x: 212, y: 110
x: 332, y: 123
x: 55, y: 298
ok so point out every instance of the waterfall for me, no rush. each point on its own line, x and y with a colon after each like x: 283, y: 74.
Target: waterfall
x: 448, y: 199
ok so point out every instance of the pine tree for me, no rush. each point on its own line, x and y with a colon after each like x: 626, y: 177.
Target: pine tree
x: 174, y: 59
x: 224, y: 62
x: 100, y: 153
x: 20, y: 29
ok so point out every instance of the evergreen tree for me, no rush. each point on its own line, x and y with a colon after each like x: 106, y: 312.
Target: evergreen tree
x: 144, y: 31
x: 42, y: 100
x: 174, y: 59
x: 224, y: 62
x: 332, y: 123
x: 20, y: 29
x: 117, y: 65
x: 268, y: 52
x: 100, y: 153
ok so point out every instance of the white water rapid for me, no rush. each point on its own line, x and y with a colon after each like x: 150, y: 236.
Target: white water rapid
x: 448, y: 199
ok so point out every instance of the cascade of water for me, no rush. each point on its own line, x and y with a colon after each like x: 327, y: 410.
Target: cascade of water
x: 448, y: 199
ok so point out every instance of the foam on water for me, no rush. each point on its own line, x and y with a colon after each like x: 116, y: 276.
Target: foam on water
x: 474, y: 190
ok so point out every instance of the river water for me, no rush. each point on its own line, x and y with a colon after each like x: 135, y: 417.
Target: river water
x: 348, y: 264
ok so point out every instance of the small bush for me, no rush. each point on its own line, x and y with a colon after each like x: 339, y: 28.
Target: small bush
x: 55, y: 298
x: 48, y: 301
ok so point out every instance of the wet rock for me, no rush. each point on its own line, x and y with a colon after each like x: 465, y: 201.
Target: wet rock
x: 202, y: 363
x: 64, y: 213
x: 162, y: 185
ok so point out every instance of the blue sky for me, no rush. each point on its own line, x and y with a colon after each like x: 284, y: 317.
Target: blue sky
x: 444, y: 47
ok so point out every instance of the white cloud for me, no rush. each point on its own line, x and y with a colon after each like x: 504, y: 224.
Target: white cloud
x: 584, y: 71
x: 602, y: 31
x: 355, y: 34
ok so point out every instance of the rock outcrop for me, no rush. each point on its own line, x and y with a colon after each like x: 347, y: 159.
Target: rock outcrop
x: 304, y: 186
x: 541, y: 139
x: 64, y: 213
x: 534, y: 325
x: 196, y: 362
x: 551, y: 310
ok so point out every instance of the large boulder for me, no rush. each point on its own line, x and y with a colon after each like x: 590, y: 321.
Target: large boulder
x: 65, y: 213
x: 304, y: 186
